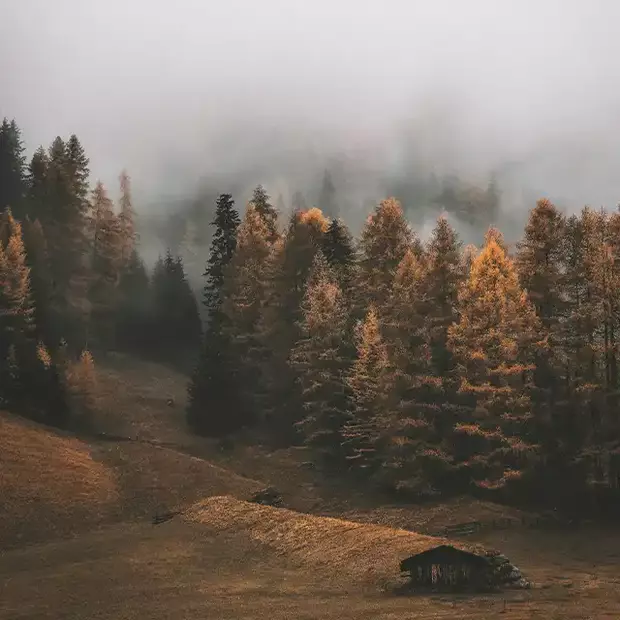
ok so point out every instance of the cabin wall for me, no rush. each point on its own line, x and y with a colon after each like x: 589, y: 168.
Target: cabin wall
x: 448, y: 575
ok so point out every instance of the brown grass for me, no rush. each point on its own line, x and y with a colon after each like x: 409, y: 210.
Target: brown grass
x: 360, y: 551
x: 230, y: 560
x: 49, y: 484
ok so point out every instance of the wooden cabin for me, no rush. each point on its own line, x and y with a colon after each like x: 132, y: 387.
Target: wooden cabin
x: 445, y: 567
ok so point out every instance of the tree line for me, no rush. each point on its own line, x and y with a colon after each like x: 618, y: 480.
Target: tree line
x: 417, y: 367
x: 72, y: 280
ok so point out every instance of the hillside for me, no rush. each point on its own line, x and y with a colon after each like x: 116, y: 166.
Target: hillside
x: 332, y: 554
x: 55, y: 485
x: 49, y: 483
x: 228, y: 559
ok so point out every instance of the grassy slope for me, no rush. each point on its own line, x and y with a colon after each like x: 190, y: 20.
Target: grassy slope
x: 227, y: 559
x: 49, y: 484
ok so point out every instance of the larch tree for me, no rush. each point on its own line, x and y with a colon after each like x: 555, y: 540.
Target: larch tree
x: 411, y: 446
x: 265, y: 210
x: 212, y: 390
x: 370, y: 380
x: 539, y: 262
x: 17, y: 329
x: 289, y: 268
x: 441, y: 281
x: 321, y: 361
x: 494, y: 343
x: 127, y: 219
x: 385, y: 239
x: 107, y: 248
x: 40, y: 280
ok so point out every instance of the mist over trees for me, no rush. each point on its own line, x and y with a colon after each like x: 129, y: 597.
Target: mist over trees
x: 413, y: 364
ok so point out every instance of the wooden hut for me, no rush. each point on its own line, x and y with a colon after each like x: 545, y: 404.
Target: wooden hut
x: 445, y: 567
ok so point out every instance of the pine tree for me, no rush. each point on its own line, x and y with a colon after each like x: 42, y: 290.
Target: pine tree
x: 244, y: 294
x: 37, y: 186
x: 539, y: 262
x: 223, y: 246
x: 370, y: 382
x: 494, y: 344
x: 384, y: 242
x: 289, y: 270
x: 107, y: 249
x: 260, y: 201
x: 413, y: 404
x: 321, y: 361
x: 17, y: 343
x: 175, y: 311
x: 133, y: 315
x: 213, y: 389
x: 337, y: 247
x: 12, y: 169
x: 327, y: 199
x: 65, y: 221
x: 40, y: 280
x: 127, y: 217
x: 442, y: 279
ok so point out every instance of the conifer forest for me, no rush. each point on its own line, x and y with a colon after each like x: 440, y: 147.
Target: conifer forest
x: 419, y: 367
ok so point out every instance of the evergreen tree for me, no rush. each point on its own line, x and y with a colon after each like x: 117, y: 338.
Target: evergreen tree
x: 127, y: 217
x: 260, y: 201
x: 337, y: 247
x: 321, y: 361
x: 442, y: 279
x: 65, y: 221
x: 40, y: 280
x: 539, y: 262
x: 37, y: 186
x: 176, y: 318
x: 107, y: 249
x: 413, y: 406
x: 385, y: 240
x: 244, y: 294
x: 289, y: 270
x: 327, y: 199
x: 223, y: 246
x: 494, y: 343
x: 213, y: 389
x: 370, y: 382
x: 133, y: 315
x: 12, y: 169
x: 17, y: 343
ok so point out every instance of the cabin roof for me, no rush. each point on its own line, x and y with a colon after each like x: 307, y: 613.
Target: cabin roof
x: 471, y: 555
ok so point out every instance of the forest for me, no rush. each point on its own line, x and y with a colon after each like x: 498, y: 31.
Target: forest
x: 414, y: 367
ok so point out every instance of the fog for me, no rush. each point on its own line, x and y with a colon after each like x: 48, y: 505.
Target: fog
x: 192, y: 93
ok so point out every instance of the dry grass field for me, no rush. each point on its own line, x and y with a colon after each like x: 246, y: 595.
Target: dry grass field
x: 77, y: 542
x: 227, y: 559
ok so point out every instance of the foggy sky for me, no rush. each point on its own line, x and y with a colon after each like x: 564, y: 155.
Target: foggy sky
x: 178, y: 91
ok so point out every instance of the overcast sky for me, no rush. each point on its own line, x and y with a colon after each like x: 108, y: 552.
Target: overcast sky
x: 175, y: 89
